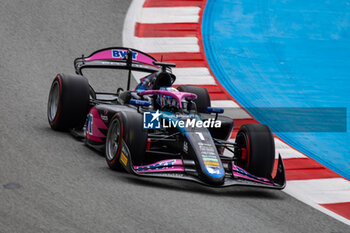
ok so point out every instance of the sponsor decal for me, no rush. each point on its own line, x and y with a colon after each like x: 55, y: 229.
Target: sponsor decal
x: 241, y: 171
x: 209, y: 156
x: 210, y: 159
x: 212, y: 170
x: 104, y: 118
x: 122, y: 54
x: 208, y: 150
x: 89, y: 121
x: 171, y: 174
x: 112, y: 63
x: 157, y: 166
x: 124, y: 159
x: 104, y: 115
x: 212, y: 163
x: 204, y: 144
x: 185, y: 147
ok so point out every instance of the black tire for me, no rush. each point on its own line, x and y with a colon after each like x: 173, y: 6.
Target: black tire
x: 258, y: 142
x: 131, y: 133
x: 68, y: 102
x: 203, y: 98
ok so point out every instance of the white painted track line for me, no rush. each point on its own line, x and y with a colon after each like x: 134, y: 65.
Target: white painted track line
x: 224, y: 104
x: 167, y: 44
x: 236, y: 113
x: 304, y: 190
x: 321, y: 191
x: 286, y: 151
x: 194, y: 80
x: 283, y: 149
x: 197, y: 75
x: 169, y: 15
x: 133, y: 14
x: 232, y: 109
x: 191, y: 71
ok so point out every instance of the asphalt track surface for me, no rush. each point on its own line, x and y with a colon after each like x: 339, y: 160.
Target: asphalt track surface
x: 50, y: 182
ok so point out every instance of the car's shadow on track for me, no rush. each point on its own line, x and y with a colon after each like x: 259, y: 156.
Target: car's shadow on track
x: 188, y: 186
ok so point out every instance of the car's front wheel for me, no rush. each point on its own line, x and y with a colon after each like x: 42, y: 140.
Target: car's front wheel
x: 125, y: 130
x: 257, y: 149
x: 114, y: 144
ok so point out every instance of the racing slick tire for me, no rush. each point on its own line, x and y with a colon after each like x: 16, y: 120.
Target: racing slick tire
x: 125, y: 129
x: 68, y: 102
x: 257, y: 147
x: 203, y: 98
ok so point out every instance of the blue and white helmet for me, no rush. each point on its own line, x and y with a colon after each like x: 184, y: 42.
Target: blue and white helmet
x: 165, y: 100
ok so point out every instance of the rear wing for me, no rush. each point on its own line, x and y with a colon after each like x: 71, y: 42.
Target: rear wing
x: 116, y: 58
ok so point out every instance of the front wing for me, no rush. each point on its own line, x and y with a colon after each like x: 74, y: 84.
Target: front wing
x: 184, y: 170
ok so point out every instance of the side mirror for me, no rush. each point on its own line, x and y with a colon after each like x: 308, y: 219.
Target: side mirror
x: 139, y: 102
x: 215, y: 110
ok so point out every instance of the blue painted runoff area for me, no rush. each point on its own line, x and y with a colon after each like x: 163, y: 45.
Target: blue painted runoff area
x: 287, y: 55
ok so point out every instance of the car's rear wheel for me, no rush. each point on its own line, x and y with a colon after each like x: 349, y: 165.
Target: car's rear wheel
x: 203, y: 98
x: 68, y: 102
x: 125, y: 129
x: 257, y: 149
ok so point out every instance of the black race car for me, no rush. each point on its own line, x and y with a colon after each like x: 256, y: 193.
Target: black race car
x: 157, y: 130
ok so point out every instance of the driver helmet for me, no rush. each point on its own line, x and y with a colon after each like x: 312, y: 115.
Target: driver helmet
x: 165, y: 100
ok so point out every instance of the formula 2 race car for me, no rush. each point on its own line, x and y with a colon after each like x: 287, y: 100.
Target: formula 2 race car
x: 156, y: 130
